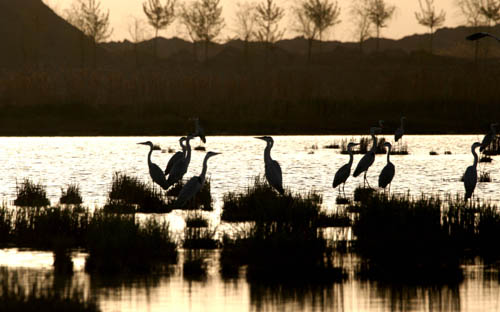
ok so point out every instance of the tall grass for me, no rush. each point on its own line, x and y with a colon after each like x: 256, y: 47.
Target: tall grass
x: 30, y: 194
x: 71, y: 196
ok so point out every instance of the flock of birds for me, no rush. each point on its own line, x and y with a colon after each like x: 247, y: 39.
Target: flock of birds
x: 178, y: 164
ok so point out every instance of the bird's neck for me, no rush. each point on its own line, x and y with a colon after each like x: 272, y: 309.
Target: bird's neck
x: 388, y: 154
x: 188, y: 150
x: 402, y: 123
x: 475, y: 156
x: 149, y: 156
x: 267, y: 153
x: 374, y: 146
x: 204, y: 170
x: 351, y: 156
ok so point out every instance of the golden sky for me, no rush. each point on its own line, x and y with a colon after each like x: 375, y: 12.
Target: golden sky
x: 403, y: 23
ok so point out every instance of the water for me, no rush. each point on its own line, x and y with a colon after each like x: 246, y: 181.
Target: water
x: 90, y: 162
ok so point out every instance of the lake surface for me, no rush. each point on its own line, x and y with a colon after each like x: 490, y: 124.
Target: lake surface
x: 91, y: 162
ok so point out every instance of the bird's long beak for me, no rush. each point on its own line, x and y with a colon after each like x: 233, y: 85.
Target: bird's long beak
x: 143, y: 143
x: 216, y: 153
x: 260, y: 138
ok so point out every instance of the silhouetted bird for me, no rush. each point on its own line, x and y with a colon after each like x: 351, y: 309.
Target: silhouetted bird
x: 180, y: 168
x: 155, y: 171
x: 489, y: 137
x: 199, y: 131
x: 470, y: 175
x: 480, y: 35
x: 343, y: 173
x: 194, y: 185
x: 387, y: 173
x: 368, y: 159
x: 400, y: 131
x: 273, y: 169
x: 177, y: 156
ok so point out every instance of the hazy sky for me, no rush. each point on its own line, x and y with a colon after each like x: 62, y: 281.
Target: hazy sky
x: 403, y: 24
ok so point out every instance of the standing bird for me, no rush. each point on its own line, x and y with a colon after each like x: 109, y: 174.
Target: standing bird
x: 385, y: 177
x: 180, y: 168
x: 470, y: 175
x: 368, y: 159
x: 154, y: 170
x: 480, y: 35
x: 273, y: 169
x: 489, y: 137
x: 177, y: 156
x: 194, y: 185
x: 343, y: 173
x: 400, y: 131
x: 199, y: 131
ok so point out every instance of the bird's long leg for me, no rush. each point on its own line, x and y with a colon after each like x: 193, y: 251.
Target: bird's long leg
x: 366, y: 181
x: 343, y: 189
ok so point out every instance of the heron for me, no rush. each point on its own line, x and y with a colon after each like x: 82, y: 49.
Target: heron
x: 368, y: 159
x: 194, y: 185
x: 480, y: 35
x: 180, y: 168
x: 343, y: 173
x: 155, y: 171
x: 387, y: 173
x: 400, y: 131
x: 199, y: 131
x: 470, y: 175
x: 273, y: 169
x: 177, y: 156
x: 489, y: 137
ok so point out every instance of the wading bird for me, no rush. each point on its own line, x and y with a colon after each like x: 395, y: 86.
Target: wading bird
x: 177, y: 156
x: 470, y: 175
x: 343, y: 173
x: 368, y: 159
x: 154, y: 170
x: 489, y: 137
x: 273, y: 169
x: 199, y: 131
x: 480, y: 35
x: 194, y: 185
x: 180, y: 168
x: 386, y: 175
x: 400, y: 131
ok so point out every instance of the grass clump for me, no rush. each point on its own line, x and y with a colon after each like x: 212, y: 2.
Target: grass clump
x: 447, y: 152
x: 194, y: 266
x: 403, y: 239
x: 362, y: 194
x: 30, y: 194
x: 128, y: 195
x: 196, y: 221
x: 485, y: 159
x: 71, y: 196
x: 261, y: 202
x: 342, y: 200
x: 117, y: 244
x: 493, y: 148
x: 333, y: 220
x: 14, y: 296
x: 333, y: 145
x: 199, y: 238
x: 365, y: 144
x: 433, y: 153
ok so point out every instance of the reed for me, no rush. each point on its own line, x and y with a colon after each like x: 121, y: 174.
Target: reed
x: 71, y: 196
x: 30, y: 194
x: 339, y: 219
x: 196, y: 221
x: 260, y: 202
x: 365, y: 145
x: 199, y: 238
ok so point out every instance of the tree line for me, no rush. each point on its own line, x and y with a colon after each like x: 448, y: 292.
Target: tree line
x: 260, y: 21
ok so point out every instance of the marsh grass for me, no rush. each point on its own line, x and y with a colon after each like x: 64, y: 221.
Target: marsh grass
x: 71, y: 196
x: 200, y: 148
x: 128, y: 195
x: 365, y: 144
x: 338, y: 219
x: 433, y: 153
x: 260, y: 202
x: 485, y: 159
x: 117, y: 244
x: 30, y: 194
x: 333, y: 145
x: 194, y: 266
x: 202, y: 200
x: 15, y: 296
x: 493, y: 148
x: 447, y: 152
x: 362, y: 194
x: 199, y: 238
x: 400, y: 149
x: 342, y: 200
x: 196, y: 220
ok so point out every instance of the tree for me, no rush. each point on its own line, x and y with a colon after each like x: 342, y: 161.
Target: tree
x: 97, y: 25
x: 203, y: 20
x: 137, y: 32
x: 74, y: 16
x: 159, y: 16
x: 379, y: 13
x: 315, y: 17
x: 267, y: 19
x: 490, y: 10
x: 430, y: 18
x: 245, y: 24
x: 361, y: 21
x: 471, y: 9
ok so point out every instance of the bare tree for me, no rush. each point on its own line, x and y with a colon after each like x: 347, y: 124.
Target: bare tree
x: 471, y: 9
x: 203, y: 20
x: 361, y: 21
x: 137, y: 32
x: 315, y: 17
x: 74, y: 16
x: 245, y: 23
x: 97, y: 25
x: 430, y: 18
x: 159, y: 16
x: 267, y: 19
x: 490, y: 10
x: 379, y: 13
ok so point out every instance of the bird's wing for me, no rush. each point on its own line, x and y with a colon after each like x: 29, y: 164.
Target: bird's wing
x: 479, y: 35
x: 486, y: 141
x: 341, y: 175
x: 364, y: 163
x: 274, y: 175
x: 158, y: 175
x: 175, y: 158
x: 398, y: 135
x: 470, y: 180
x: 386, y: 175
x: 188, y: 191
x: 177, y: 172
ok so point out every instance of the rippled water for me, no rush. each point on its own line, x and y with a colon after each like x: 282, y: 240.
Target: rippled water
x: 90, y: 162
